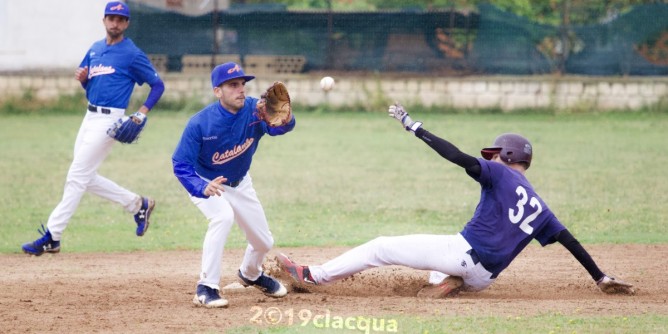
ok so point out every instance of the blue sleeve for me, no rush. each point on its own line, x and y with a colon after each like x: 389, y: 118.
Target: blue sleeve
x: 86, y: 60
x: 184, y: 160
x: 485, y: 178
x: 194, y: 184
x: 142, y: 70
x: 551, y: 227
x: 280, y: 130
x: 157, y: 89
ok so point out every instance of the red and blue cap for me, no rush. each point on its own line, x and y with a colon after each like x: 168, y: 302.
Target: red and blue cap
x: 117, y: 8
x: 226, y: 72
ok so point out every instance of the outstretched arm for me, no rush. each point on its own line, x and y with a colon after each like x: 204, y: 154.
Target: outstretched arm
x: 606, y: 283
x: 443, y: 147
x: 450, y: 152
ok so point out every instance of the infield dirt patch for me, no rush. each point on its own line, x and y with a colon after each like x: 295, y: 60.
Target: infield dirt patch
x: 143, y: 292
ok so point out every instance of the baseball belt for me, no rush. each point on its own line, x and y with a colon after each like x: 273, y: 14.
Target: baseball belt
x: 93, y: 108
x: 233, y: 184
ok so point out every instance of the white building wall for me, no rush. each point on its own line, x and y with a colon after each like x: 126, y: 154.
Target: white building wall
x: 506, y: 92
x: 46, y: 34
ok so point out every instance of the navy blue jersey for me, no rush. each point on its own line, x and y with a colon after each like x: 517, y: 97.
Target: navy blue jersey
x: 110, y: 67
x: 509, y: 215
x: 217, y: 142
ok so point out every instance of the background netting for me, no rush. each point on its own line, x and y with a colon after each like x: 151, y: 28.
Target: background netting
x: 488, y: 41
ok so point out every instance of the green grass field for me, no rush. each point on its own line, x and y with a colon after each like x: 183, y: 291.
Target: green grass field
x: 344, y: 178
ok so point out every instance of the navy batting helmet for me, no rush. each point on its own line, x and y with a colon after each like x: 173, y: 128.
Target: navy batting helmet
x: 511, y: 148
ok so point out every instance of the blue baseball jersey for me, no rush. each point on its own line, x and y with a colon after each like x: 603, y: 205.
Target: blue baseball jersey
x: 217, y: 142
x: 509, y: 215
x: 113, y: 71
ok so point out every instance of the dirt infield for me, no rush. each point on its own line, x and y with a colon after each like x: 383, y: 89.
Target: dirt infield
x: 152, y: 292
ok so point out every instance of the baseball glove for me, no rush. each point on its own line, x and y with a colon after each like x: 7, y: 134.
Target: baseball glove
x: 610, y: 285
x: 274, y: 106
x: 127, y: 128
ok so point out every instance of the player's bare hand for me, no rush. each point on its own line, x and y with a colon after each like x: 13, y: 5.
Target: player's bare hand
x: 611, y: 285
x: 81, y: 74
x: 215, y: 187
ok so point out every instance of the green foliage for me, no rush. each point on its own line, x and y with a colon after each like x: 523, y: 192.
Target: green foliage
x: 28, y: 103
x: 554, y: 12
x: 546, y: 12
x: 424, y: 5
x: 339, y: 5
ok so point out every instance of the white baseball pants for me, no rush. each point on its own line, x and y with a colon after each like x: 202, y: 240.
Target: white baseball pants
x: 446, y: 254
x: 242, y: 205
x: 91, y: 148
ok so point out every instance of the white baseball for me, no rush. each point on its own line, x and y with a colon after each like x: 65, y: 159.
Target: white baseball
x: 327, y: 83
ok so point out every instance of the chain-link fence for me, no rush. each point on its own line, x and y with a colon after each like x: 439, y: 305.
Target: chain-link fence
x: 271, y: 39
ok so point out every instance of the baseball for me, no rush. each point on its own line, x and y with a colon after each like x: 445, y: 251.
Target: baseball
x: 327, y: 83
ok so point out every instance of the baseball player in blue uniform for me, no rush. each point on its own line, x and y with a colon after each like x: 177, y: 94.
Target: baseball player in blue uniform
x: 211, y: 161
x: 108, y: 73
x: 509, y: 215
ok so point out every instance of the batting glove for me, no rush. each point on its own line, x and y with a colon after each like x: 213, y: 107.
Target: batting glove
x: 397, y: 111
x: 610, y: 285
x: 138, y: 117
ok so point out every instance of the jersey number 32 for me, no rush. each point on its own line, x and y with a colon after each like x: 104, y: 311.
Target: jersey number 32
x: 517, y: 216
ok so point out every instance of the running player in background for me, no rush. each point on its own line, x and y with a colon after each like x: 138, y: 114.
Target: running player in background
x: 509, y: 215
x: 212, y: 161
x: 108, y: 73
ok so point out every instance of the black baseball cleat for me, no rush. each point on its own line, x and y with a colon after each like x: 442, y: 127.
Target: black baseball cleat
x: 43, y: 244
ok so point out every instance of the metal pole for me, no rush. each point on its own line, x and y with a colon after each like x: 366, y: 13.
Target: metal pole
x: 330, y: 31
x: 215, y: 34
x: 564, y: 30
